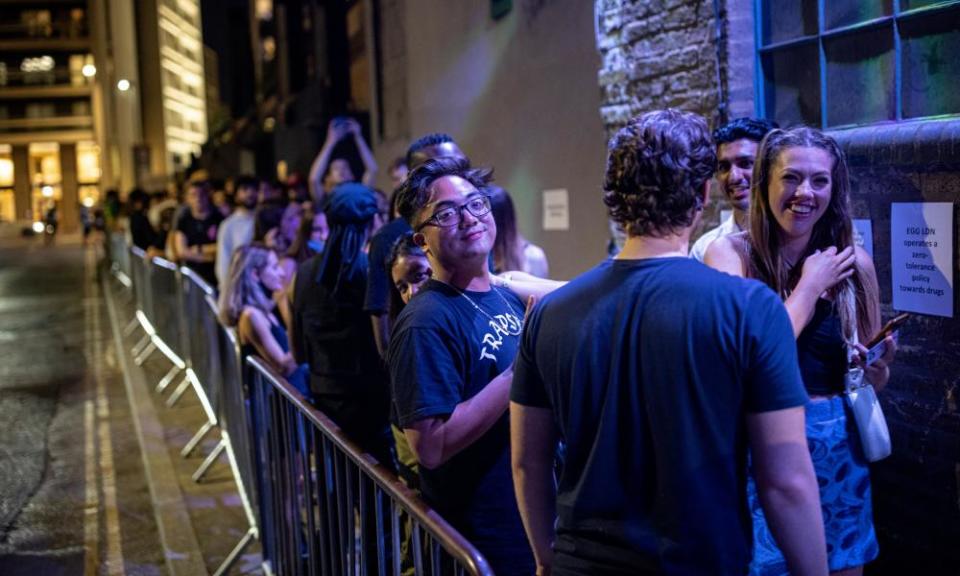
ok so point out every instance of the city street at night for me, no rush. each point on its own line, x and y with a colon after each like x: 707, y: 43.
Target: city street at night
x: 479, y: 287
x: 74, y: 495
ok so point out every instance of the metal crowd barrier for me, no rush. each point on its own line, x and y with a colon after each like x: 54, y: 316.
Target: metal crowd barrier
x: 319, y: 488
x: 236, y: 435
x: 175, y: 317
x: 317, y: 502
x: 202, y: 346
x: 120, y: 259
x: 164, y: 291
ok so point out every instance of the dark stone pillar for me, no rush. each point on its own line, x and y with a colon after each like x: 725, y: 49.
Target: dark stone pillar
x: 69, y: 204
x: 21, y: 183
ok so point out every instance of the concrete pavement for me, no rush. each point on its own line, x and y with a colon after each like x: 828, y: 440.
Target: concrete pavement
x: 74, y: 495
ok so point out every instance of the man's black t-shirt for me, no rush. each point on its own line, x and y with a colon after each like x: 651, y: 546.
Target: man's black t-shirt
x: 199, y: 232
x: 377, y: 300
x: 444, y: 351
x: 141, y: 232
x: 347, y: 377
x: 649, y: 367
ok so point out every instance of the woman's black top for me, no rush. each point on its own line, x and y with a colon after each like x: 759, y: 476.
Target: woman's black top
x: 823, y: 352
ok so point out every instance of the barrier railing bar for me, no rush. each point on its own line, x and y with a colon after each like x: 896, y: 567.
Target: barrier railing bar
x: 141, y: 345
x: 427, y: 519
x: 209, y: 460
x: 395, y: 521
x: 192, y: 444
x: 179, y: 390
x: 168, y: 379
x: 150, y: 349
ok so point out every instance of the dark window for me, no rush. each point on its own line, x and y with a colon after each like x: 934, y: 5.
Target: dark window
x: 837, y: 63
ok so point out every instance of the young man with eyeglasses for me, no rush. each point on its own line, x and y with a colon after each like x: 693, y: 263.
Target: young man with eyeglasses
x: 451, y: 359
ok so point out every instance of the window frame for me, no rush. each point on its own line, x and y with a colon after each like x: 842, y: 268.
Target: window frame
x: 896, y: 16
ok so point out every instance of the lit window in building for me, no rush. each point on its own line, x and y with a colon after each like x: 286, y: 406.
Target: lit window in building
x: 8, y: 212
x: 264, y: 9
x: 37, y: 23
x: 835, y: 64
x: 41, y: 110
x: 45, y: 176
x: 6, y: 166
x: 78, y: 23
x: 269, y: 46
x: 88, y: 195
x: 38, y: 70
x: 80, y: 108
x: 88, y: 163
x: 82, y: 69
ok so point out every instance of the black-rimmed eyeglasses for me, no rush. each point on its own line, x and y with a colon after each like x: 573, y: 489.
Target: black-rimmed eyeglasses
x: 450, y: 216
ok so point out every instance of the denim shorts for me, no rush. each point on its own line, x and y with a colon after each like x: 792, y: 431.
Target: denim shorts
x: 844, y: 480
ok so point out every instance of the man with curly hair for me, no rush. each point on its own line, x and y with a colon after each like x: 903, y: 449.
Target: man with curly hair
x: 658, y: 373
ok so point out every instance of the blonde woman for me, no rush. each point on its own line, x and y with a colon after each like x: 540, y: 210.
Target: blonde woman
x: 249, y: 302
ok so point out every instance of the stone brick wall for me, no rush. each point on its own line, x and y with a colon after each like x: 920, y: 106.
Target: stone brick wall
x: 656, y: 54
x: 916, y: 492
x: 664, y: 54
x: 393, y: 54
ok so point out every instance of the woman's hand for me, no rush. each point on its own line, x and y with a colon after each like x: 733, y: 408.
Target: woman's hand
x: 824, y: 270
x: 878, y: 373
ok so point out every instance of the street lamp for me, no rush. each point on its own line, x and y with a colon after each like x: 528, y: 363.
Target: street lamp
x: 123, y: 85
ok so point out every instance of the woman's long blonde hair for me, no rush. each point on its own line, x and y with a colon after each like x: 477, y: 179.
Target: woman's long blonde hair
x: 243, y: 288
x: 834, y: 228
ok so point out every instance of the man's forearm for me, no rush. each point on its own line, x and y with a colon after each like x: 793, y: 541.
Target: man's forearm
x: 793, y: 512
x: 381, y: 332
x: 532, y: 441
x: 436, y: 441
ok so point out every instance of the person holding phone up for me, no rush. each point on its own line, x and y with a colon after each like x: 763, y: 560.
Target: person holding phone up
x: 800, y: 244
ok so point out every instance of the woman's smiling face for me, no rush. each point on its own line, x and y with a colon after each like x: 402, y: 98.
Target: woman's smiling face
x: 800, y: 188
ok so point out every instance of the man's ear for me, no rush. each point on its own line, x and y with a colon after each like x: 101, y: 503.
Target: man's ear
x: 706, y: 194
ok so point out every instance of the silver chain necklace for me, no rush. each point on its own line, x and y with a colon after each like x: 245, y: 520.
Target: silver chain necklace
x: 481, y: 310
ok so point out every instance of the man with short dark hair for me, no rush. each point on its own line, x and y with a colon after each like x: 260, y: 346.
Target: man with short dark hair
x: 377, y: 299
x: 195, y: 239
x: 658, y: 372
x: 237, y: 229
x: 451, y: 359
x: 737, y: 144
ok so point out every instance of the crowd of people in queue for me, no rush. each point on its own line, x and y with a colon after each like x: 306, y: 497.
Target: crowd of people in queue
x: 669, y: 411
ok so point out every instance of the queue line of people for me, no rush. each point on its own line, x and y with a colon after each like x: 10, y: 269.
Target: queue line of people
x: 651, y: 416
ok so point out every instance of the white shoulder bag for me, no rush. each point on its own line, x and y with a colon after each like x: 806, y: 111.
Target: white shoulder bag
x: 867, y: 413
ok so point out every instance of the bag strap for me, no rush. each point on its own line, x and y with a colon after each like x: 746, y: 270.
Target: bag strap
x: 849, y: 300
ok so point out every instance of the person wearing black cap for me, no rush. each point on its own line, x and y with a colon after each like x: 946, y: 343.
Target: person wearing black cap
x: 332, y: 333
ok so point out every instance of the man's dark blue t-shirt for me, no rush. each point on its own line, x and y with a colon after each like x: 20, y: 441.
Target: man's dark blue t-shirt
x: 444, y: 351
x: 650, y: 367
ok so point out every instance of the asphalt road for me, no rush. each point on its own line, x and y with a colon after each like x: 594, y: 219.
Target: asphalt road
x: 73, y: 498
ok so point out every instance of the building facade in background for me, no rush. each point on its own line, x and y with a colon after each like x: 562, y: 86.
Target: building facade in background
x: 96, y: 95
x: 50, y: 111
x: 172, y: 88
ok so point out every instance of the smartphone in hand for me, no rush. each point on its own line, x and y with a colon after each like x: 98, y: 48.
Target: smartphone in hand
x: 875, y: 346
